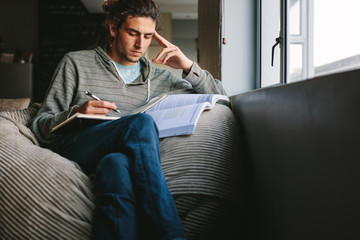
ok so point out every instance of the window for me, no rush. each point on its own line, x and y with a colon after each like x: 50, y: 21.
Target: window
x: 323, y: 37
x: 270, y: 25
x: 317, y: 37
x: 299, y: 48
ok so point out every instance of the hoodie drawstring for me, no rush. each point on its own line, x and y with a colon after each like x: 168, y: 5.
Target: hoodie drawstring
x: 148, y: 89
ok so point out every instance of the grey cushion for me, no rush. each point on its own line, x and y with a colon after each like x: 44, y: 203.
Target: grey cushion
x: 203, y: 172
x: 45, y: 196
x: 8, y: 104
x: 42, y: 195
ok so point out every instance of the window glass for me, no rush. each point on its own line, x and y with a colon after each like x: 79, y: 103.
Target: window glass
x: 296, y: 41
x: 270, y: 28
x: 336, y: 35
x: 296, y: 62
x: 295, y: 26
x: 323, y: 37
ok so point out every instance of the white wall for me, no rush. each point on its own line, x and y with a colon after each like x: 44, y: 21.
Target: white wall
x: 238, y: 64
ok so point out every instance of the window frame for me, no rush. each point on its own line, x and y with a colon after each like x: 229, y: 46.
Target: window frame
x: 305, y: 38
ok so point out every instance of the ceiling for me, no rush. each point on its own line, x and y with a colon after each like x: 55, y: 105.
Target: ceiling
x: 180, y: 9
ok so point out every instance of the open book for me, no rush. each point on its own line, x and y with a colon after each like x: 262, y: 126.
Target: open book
x: 174, y: 115
x: 178, y: 114
x: 80, y: 121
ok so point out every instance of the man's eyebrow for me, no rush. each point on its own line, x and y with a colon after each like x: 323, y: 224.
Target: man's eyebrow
x: 134, y: 30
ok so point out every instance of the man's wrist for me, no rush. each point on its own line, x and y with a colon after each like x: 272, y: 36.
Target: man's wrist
x: 73, y: 110
x: 187, y: 69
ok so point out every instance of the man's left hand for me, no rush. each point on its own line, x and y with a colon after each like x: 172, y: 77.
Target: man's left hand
x: 171, y: 55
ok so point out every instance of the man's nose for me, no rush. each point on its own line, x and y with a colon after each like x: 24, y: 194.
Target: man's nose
x: 139, y: 42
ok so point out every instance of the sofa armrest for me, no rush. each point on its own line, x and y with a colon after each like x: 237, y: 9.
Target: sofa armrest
x: 303, y: 140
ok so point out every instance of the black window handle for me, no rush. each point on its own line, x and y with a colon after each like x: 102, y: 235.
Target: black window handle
x: 278, y: 41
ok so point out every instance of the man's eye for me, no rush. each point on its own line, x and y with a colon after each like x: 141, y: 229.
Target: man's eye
x: 132, y: 34
x: 148, y: 37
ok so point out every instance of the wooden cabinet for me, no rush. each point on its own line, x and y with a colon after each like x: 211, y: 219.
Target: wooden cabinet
x: 209, y: 55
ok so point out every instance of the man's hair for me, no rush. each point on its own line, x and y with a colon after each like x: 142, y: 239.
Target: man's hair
x: 117, y: 12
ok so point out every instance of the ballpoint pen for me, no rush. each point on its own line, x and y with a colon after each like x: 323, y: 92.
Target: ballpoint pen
x: 96, y: 98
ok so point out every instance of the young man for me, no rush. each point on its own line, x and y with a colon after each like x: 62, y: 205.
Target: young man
x: 133, y: 197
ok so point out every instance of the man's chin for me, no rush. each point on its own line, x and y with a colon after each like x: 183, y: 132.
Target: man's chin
x: 133, y: 59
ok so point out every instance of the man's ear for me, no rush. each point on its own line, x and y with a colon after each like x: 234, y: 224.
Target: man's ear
x: 113, y: 29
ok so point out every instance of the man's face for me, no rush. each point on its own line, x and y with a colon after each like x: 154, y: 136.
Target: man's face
x: 131, y: 40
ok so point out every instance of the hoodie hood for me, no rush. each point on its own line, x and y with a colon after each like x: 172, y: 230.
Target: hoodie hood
x: 147, y: 68
x: 144, y: 78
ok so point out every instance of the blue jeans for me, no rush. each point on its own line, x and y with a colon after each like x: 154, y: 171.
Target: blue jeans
x: 133, y: 199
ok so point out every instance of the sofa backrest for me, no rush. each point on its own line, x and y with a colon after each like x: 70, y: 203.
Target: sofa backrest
x: 304, y: 167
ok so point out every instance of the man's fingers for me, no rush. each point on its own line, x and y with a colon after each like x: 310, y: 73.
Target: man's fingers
x: 167, y: 57
x: 99, y: 107
x: 171, y: 55
x: 95, y: 107
x: 97, y: 110
x: 163, y: 53
x: 157, y: 59
x: 162, y: 41
x: 102, y: 104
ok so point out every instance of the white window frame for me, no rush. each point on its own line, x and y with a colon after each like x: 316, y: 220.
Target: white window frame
x: 269, y: 28
x: 305, y: 38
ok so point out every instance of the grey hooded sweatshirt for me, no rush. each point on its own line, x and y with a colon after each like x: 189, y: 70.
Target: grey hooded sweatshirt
x: 94, y: 71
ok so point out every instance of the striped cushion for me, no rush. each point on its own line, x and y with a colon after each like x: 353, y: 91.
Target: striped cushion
x: 207, y: 162
x: 8, y: 104
x: 203, y: 172
x: 42, y: 195
x: 45, y: 196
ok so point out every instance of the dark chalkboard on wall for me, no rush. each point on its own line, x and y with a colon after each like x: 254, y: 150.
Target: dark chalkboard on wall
x: 64, y: 25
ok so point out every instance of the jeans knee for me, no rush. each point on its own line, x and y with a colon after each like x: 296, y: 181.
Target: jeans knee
x: 112, y: 162
x: 143, y: 121
x: 113, y: 175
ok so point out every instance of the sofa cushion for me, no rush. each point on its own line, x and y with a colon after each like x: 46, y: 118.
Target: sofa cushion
x: 207, y: 162
x: 13, y: 104
x: 52, y: 199
x: 18, y: 119
x: 42, y: 195
x: 204, y: 174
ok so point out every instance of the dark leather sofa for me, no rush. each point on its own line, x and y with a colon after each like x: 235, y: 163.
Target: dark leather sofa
x: 303, y: 158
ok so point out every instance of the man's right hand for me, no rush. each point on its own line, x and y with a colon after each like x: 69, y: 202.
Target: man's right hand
x: 95, y: 107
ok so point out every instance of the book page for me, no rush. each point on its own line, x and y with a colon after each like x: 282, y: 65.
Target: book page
x: 178, y: 100
x: 179, y: 120
x: 149, y: 104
